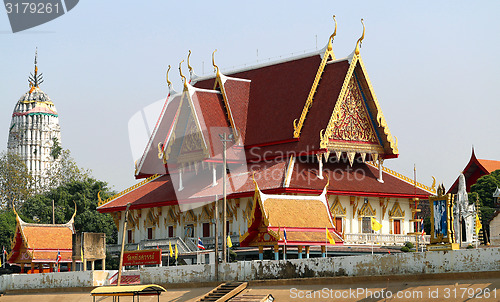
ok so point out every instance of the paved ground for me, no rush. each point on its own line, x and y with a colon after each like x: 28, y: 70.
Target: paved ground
x: 442, y: 288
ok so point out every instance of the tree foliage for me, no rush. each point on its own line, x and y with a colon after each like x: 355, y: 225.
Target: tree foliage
x: 83, y: 193
x: 15, y: 181
x: 61, y: 171
x: 483, y: 191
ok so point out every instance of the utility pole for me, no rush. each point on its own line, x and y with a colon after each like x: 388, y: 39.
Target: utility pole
x: 216, y: 238
x: 224, y: 139
x: 123, y: 245
x: 53, y: 213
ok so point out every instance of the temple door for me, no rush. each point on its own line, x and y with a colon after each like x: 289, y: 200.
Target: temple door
x: 397, y: 226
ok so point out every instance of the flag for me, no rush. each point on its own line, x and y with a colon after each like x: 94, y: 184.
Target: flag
x: 81, y: 254
x: 200, y: 244
x: 375, y: 225
x: 422, y: 227
x: 138, y: 246
x: 176, y: 252
x: 479, y: 226
x: 58, y: 259
x: 4, y: 251
x: 284, y: 234
x: 171, y: 252
x: 329, y: 237
x: 229, y: 242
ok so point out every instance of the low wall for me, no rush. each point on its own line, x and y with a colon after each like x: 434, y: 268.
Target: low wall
x: 473, y: 260
x: 54, y: 280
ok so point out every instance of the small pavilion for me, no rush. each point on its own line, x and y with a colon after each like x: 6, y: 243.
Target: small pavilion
x: 38, y: 245
x: 304, y: 218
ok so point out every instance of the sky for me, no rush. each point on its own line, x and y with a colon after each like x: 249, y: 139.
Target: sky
x: 433, y: 65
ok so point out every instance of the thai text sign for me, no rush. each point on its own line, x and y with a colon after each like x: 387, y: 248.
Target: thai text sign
x: 142, y: 257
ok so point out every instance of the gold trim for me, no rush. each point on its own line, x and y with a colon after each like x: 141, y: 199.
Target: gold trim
x: 336, y: 111
x: 151, y: 178
x: 336, y: 209
x: 168, y: 81
x: 396, y: 211
x: 309, y: 101
x: 182, y: 76
x: 360, y: 40
x: 405, y: 178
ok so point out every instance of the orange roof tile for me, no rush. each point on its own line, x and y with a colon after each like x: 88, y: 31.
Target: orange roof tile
x: 490, y: 165
x: 48, y: 237
x: 296, y: 213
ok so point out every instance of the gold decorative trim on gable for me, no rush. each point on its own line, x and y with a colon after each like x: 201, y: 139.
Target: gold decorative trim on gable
x: 297, y: 125
x: 396, y: 211
x: 336, y: 209
x: 367, y: 211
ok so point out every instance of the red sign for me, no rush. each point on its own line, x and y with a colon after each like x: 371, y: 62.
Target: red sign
x: 142, y: 257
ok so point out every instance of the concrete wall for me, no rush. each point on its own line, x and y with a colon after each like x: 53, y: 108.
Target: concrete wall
x: 473, y: 260
x: 55, y: 280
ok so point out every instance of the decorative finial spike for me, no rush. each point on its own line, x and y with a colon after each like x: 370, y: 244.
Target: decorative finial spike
x: 216, y: 68
x: 182, y: 76
x: 330, y: 40
x: 189, y: 65
x: 168, y: 81
x: 360, y: 40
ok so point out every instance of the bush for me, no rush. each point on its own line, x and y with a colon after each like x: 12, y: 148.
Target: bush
x: 405, y: 249
x: 409, y: 245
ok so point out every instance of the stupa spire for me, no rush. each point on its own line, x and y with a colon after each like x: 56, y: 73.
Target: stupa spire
x: 35, y: 79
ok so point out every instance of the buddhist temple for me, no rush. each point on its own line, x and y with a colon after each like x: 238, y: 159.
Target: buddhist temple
x: 308, y: 129
x: 36, y: 247
x: 34, y: 132
x: 474, y: 170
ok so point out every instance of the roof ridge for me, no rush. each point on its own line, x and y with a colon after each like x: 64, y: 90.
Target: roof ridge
x: 130, y: 189
x: 262, y: 65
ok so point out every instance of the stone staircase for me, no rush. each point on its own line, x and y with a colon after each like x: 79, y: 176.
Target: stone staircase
x: 224, y: 292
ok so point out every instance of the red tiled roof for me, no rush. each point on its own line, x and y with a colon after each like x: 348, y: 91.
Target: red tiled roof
x: 474, y: 170
x: 277, y: 95
x: 48, y: 237
x: 197, y: 187
x: 238, y: 97
x: 361, y: 179
x: 150, y: 164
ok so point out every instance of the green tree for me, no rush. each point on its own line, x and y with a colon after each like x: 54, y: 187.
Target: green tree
x: 61, y: 171
x: 83, y: 193
x: 15, y: 181
x: 482, y: 191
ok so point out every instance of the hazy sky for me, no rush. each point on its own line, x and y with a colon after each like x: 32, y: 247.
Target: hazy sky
x: 433, y: 64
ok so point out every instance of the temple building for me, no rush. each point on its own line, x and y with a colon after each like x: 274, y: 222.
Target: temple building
x: 305, y: 142
x: 34, y: 132
x: 474, y: 170
x: 36, y: 247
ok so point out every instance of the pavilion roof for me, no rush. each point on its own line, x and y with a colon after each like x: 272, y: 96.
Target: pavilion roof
x: 304, y: 218
x: 42, y: 242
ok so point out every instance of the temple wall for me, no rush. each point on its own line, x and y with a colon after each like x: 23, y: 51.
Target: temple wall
x: 467, y: 260
x: 495, y: 231
x: 476, y: 260
x: 55, y: 280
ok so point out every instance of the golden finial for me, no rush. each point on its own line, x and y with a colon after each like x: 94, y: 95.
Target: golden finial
x: 330, y: 40
x: 182, y: 76
x: 168, y: 81
x: 74, y: 214
x: 360, y: 40
x: 216, y: 68
x: 189, y: 65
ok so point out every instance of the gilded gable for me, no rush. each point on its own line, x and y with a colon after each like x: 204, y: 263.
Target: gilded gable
x: 336, y: 209
x: 396, y: 211
x: 366, y: 210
